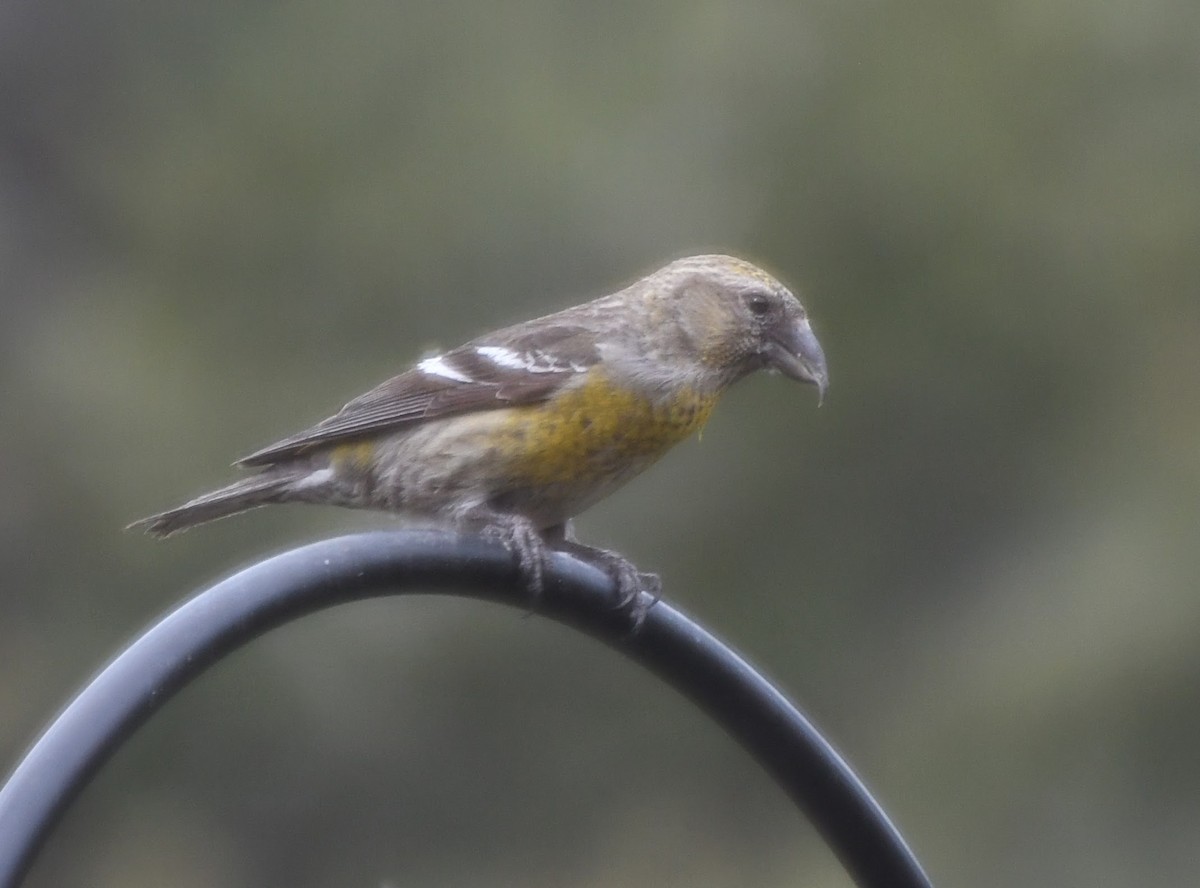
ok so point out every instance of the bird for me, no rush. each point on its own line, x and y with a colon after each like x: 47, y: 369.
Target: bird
x: 515, y: 433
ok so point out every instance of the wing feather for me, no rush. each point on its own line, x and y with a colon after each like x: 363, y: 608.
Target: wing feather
x: 521, y: 365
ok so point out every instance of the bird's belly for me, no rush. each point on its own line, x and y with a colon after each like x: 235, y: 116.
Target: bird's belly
x: 547, y: 461
x: 563, y: 456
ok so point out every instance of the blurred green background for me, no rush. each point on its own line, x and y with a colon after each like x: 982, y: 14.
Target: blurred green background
x: 976, y: 566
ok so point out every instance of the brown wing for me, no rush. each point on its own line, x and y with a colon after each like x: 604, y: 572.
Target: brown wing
x: 520, y: 365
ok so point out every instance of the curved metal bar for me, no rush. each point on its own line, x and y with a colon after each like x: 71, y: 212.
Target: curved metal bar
x: 268, y: 594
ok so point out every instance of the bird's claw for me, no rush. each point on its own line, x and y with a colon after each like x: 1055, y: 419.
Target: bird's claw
x: 526, y: 546
x: 636, y: 592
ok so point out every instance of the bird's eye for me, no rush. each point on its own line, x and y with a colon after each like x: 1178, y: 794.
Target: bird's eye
x: 758, y: 303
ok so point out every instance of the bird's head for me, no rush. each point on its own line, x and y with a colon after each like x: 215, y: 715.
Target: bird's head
x: 738, y: 319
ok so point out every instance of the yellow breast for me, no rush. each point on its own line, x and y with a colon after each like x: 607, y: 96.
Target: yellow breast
x: 597, y: 430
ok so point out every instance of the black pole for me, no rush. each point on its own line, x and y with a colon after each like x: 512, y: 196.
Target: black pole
x: 218, y: 620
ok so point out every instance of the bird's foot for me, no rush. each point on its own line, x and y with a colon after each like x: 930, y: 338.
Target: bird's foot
x: 525, y: 544
x: 636, y: 592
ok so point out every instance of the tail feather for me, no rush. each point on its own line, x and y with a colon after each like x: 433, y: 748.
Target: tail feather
x: 271, y: 486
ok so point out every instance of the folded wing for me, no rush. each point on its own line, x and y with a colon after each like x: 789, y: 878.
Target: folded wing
x: 509, y: 368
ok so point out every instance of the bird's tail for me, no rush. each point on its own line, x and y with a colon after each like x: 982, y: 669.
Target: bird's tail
x: 274, y: 485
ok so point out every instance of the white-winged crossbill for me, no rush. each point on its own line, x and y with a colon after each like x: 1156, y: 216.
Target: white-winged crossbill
x: 519, y: 430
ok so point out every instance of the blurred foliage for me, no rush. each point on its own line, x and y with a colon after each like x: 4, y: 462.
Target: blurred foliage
x: 976, y: 565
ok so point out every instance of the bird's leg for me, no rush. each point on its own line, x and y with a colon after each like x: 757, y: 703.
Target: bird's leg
x: 519, y: 536
x: 629, y: 581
